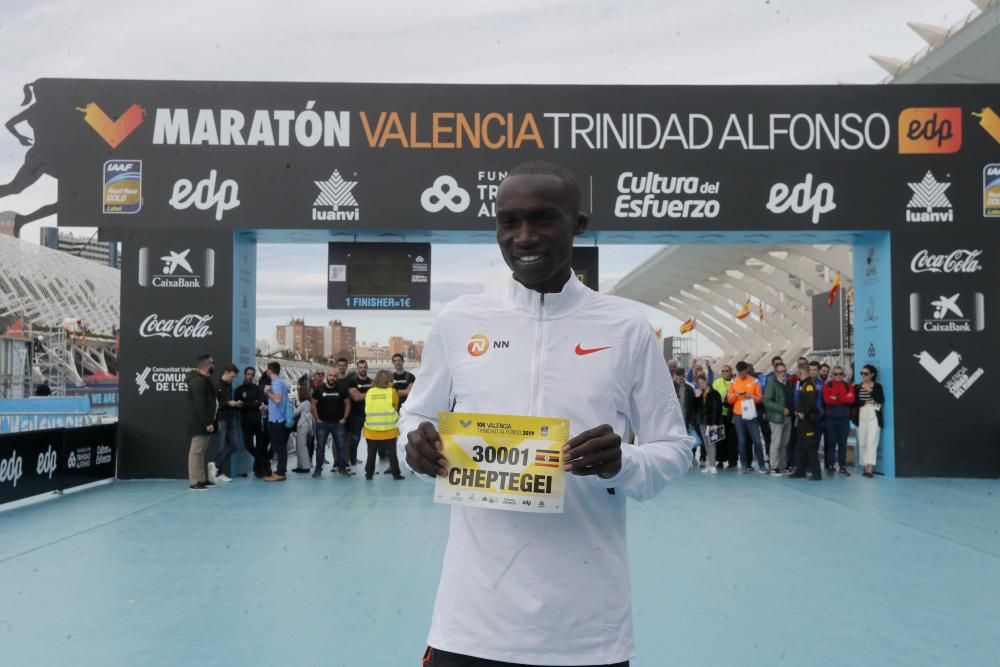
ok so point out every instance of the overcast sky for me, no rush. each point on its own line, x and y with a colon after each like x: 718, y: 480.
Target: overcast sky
x: 515, y: 41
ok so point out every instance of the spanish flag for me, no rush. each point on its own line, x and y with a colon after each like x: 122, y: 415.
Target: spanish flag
x: 744, y: 312
x: 547, y: 458
x: 833, y: 292
x: 687, y: 326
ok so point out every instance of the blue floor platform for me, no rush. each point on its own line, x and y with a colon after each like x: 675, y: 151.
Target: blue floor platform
x: 731, y: 570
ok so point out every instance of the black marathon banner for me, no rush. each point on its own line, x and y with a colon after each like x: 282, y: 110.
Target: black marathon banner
x: 38, y: 462
x: 908, y: 175
x: 88, y: 455
x: 29, y: 463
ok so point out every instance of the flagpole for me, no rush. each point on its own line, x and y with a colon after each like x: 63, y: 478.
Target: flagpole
x: 840, y: 307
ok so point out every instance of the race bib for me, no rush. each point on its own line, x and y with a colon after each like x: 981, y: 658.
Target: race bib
x: 502, y: 462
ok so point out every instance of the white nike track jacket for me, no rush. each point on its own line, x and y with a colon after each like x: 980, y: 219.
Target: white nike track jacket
x: 548, y: 589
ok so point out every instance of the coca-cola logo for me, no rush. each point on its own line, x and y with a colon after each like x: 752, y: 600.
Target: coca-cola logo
x: 188, y: 326
x: 958, y: 261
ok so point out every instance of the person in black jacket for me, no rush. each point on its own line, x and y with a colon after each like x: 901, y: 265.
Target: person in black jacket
x: 248, y: 395
x: 201, y: 420
x: 708, y: 417
x: 807, y: 410
x: 685, y: 396
x: 226, y: 428
x: 867, y: 414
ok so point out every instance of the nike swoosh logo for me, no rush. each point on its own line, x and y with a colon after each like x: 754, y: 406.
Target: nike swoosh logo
x: 582, y: 351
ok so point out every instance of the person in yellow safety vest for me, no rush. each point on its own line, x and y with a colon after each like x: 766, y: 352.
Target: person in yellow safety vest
x: 381, y: 418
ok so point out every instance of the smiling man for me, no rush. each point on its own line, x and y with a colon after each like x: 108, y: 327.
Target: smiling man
x: 545, y: 589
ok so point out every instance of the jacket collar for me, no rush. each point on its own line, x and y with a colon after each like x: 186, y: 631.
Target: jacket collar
x: 556, y: 304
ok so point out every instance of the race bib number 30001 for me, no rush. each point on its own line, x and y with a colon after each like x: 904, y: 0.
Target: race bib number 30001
x: 502, y: 462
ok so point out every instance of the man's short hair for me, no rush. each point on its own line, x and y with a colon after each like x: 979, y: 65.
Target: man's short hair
x: 361, y: 361
x: 231, y: 368
x: 801, y: 359
x: 741, y: 366
x: 544, y: 168
x: 397, y: 356
x: 813, y: 364
x: 203, y: 360
x: 823, y: 366
x: 774, y: 359
x: 344, y: 359
x: 679, y: 372
x: 250, y: 368
x: 274, y: 367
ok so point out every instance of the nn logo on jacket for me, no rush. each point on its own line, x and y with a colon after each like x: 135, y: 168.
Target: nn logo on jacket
x: 479, y: 344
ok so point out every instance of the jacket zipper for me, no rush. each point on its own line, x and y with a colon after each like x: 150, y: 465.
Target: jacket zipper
x: 539, y: 356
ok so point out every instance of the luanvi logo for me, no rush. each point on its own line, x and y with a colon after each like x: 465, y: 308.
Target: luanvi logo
x: 957, y: 261
x: 950, y: 372
x: 187, y: 326
x: 205, y: 195
x: 948, y: 314
x: 802, y: 198
x: 445, y: 193
x: 929, y: 202
x: 114, y: 132
x: 335, y: 201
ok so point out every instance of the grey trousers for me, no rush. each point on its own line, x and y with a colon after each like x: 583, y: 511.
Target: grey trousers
x: 196, y: 458
x: 780, y: 434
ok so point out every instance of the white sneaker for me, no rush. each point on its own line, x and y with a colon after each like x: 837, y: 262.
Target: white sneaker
x: 213, y: 473
x: 222, y: 477
x: 713, y: 470
x: 706, y: 470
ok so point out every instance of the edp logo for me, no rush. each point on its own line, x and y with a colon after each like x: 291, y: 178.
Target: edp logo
x: 11, y: 469
x: 205, y: 195
x: 48, y: 461
x: 802, y: 198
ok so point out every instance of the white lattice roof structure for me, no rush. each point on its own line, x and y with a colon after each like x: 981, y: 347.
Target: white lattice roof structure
x: 711, y: 282
x: 45, y: 287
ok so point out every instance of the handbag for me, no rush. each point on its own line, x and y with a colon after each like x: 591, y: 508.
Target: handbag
x: 748, y: 409
x: 716, y: 433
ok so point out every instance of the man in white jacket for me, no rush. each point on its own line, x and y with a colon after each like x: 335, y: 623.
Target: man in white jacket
x: 545, y: 589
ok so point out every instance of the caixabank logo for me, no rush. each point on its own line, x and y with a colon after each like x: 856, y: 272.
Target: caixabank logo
x: 947, y: 313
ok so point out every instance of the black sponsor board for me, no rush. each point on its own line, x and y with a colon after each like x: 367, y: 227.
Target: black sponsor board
x: 88, y: 455
x: 177, y: 292
x: 29, y: 464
